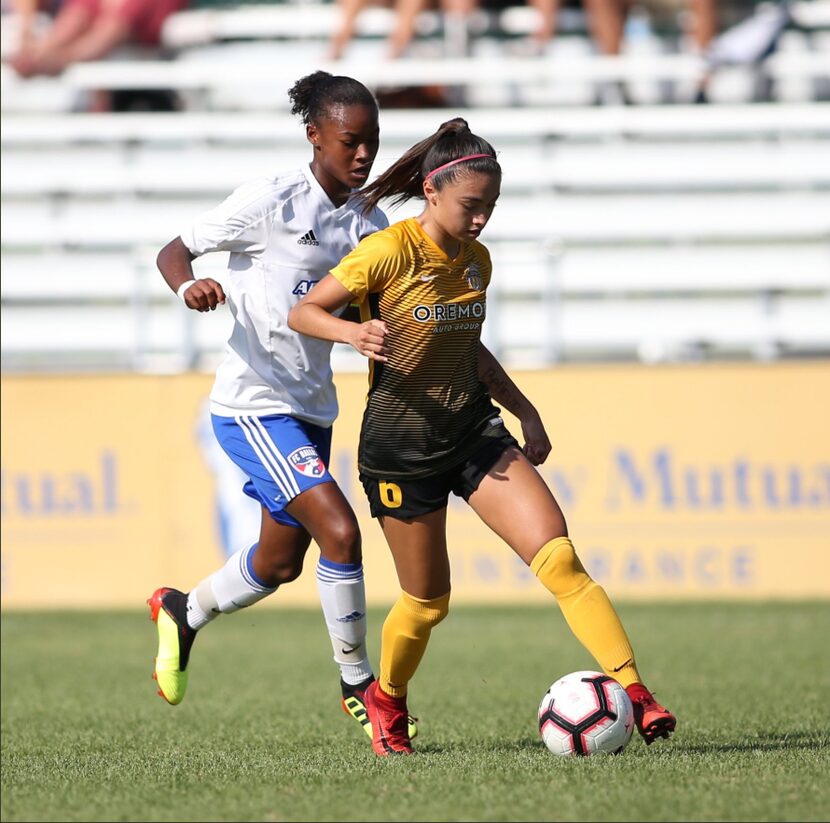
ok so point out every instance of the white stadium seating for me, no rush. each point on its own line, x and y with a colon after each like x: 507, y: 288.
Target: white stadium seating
x: 651, y: 232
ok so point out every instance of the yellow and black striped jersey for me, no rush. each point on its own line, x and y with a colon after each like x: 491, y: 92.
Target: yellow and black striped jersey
x: 426, y: 405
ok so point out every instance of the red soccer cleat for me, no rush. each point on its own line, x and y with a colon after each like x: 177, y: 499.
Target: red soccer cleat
x: 353, y: 703
x: 652, y: 719
x: 390, y: 720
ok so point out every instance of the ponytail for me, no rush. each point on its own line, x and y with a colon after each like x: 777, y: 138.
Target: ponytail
x: 438, y: 157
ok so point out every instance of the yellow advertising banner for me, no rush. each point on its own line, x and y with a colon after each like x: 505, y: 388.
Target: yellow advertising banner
x: 677, y: 482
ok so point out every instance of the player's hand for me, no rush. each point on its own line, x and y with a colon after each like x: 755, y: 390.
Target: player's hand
x: 370, y: 340
x: 204, y: 295
x: 537, y: 444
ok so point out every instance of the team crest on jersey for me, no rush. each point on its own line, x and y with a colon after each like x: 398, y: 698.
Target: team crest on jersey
x: 307, y: 462
x: 473, y: 276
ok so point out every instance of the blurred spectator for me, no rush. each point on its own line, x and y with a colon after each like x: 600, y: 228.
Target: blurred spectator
x: 752, y: 38
x: 455, y: 13
x: 606, y: 20
x: 607, y: 24
x: 27, y: 19
x: 342, y: 35
x: 747, y: 43
x: 547, y: 10
x: 90, y: 30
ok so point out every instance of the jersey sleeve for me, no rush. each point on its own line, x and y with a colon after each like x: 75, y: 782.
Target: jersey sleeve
x: 372, y: 265
x: 241, y: 223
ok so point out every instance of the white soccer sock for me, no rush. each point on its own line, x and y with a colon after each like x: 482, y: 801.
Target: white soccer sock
x: 227, y: 590
x: 343, y: 598
x: 201, y: 605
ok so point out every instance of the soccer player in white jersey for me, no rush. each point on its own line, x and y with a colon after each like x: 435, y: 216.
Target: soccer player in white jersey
x: 273, y: 401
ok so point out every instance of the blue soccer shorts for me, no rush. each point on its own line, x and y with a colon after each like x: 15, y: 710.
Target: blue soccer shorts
x: 281, y: 455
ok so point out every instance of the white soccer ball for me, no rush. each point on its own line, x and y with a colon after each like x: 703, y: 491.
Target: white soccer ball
x: 586, y: 713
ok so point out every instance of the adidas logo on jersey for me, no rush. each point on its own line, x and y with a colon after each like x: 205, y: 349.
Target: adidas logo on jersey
x: 308, y: 239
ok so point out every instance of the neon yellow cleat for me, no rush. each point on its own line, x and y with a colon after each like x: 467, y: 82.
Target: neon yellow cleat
x: 168, y: 610
x: 354, y: 704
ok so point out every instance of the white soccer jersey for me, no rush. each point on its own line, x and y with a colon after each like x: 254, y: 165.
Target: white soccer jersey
x: 283, y: 235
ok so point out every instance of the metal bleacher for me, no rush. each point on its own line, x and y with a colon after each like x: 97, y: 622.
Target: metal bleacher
x: 646, y: 232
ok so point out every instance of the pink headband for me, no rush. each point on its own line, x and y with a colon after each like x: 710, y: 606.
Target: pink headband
x: 460, y: 160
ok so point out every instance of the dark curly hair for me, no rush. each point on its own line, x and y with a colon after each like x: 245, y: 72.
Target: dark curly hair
x: 313, y: 95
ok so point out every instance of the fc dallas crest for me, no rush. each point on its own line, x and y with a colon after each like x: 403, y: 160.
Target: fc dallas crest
x: 306, y: 461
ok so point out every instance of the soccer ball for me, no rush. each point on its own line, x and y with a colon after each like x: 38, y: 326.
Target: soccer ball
x: 586, y: 713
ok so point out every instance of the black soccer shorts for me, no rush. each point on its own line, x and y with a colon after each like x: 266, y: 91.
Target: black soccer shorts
x: 405, y: 498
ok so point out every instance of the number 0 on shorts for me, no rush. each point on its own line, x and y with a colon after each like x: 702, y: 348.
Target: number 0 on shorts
x: 391, y: 495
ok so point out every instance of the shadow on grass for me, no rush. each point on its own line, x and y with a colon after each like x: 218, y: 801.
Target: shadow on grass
x: 431, y: 748
x: 795, y: 741
x: 494, y: 747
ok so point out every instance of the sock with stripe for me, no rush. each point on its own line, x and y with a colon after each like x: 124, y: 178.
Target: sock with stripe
x: 586, y: 608
x: 343, y: 598
x: 235, y: 586
x: 406, y: 632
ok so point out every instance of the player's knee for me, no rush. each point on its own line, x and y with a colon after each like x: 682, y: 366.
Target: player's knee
x: 559, y: 567
x: 277, y: 572
x: 341, y: 542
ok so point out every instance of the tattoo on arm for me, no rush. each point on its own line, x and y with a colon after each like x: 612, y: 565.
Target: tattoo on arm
x: 501, y: 389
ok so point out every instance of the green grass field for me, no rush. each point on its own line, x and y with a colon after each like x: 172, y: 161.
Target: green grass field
x: 261, y: 736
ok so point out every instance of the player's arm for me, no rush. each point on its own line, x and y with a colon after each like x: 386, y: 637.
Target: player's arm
x: 314, y: 316
x: 507, y: 394
x: 175, y: 262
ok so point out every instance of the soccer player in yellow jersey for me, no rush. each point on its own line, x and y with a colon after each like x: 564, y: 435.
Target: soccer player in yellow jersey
x: 430, y: 427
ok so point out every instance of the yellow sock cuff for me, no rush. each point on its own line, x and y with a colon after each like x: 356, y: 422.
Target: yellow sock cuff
x: 544, y: 554
x: 429, y: 611
x: 560, y: 570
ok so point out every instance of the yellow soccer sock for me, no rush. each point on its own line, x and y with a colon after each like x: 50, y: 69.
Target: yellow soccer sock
x: 404, y: 639
x: 586, y: 608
